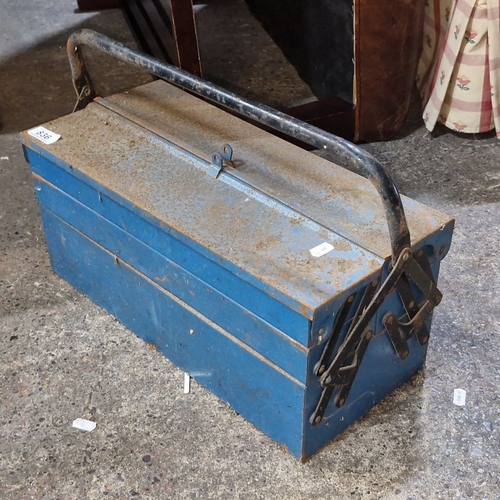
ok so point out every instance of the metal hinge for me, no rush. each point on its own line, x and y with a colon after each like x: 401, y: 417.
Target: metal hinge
x: 338, y: 375
x: 222, y: 160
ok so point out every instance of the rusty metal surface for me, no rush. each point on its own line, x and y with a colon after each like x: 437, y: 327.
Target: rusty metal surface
x: 329, y: 194
x: 240, y: 227
x: 352, y: 155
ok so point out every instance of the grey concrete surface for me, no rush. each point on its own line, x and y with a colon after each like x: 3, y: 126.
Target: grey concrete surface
x: 63, y: 358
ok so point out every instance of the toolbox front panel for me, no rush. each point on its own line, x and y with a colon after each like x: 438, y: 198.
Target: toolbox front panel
x: 261, y: 392
x: 163, y: 241
x: 238, y: 321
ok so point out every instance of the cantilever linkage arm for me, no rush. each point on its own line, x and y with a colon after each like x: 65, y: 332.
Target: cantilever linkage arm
x: 352, y: 154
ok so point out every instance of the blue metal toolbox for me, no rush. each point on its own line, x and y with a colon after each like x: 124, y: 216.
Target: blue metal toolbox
x: 287, y: 284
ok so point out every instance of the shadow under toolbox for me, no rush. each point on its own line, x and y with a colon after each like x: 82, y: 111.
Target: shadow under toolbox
x: 264, y: 270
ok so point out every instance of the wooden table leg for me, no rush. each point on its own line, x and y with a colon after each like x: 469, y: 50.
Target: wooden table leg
x: 185, y: 36
x: 166, y: 30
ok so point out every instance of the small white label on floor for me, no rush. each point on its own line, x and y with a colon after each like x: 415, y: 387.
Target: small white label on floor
x: 84, y: 425
x: 459, y: 397
x: 322, y: 249
x: 44, y: 135
x: 187, y: 383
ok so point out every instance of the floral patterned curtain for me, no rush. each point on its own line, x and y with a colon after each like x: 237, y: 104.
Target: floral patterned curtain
x: 459, y: 70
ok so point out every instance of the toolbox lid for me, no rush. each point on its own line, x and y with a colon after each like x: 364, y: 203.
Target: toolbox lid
x: 292, y: 224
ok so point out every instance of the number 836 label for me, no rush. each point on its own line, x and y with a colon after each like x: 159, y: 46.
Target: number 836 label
x: 44, y: 135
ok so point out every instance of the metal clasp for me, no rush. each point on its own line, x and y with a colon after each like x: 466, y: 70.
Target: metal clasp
x: 222, y: 160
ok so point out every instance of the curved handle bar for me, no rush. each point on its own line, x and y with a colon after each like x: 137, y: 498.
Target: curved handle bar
x: 355, y: 156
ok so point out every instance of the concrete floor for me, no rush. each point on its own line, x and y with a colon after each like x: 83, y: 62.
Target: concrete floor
x: 63, y: 358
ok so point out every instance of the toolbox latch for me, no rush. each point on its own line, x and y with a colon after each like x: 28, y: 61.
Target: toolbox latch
x: 222, y: 160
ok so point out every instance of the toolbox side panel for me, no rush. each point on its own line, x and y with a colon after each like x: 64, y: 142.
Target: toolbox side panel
x: 259, y: 391
x: 238, y: 321
x: 268, y: 308
x: 380, y: 374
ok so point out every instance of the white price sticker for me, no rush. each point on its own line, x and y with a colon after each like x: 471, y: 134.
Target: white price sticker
x: 187, y: 382
x: 459, y: 397
x: 84, y: 425
x: 44, y: 135
x: 322, y: 249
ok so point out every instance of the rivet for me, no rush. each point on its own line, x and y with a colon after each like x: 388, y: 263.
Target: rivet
x: 320, y: 338
x: 321, y: 369
x: 318, y: 419
x: 404, y: 354
x: 341, y: 402
x: 411, y: 304
x: 321, y: 331
x: 390, y: 319
x: 442, y: 250
x: 425, y: 339
x: 328, y: 380
x: 350, y: 299
x: 374, y: 283
x: 368, y: 335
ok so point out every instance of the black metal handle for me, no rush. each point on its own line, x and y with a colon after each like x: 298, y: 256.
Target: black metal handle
x: 354, y: 155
